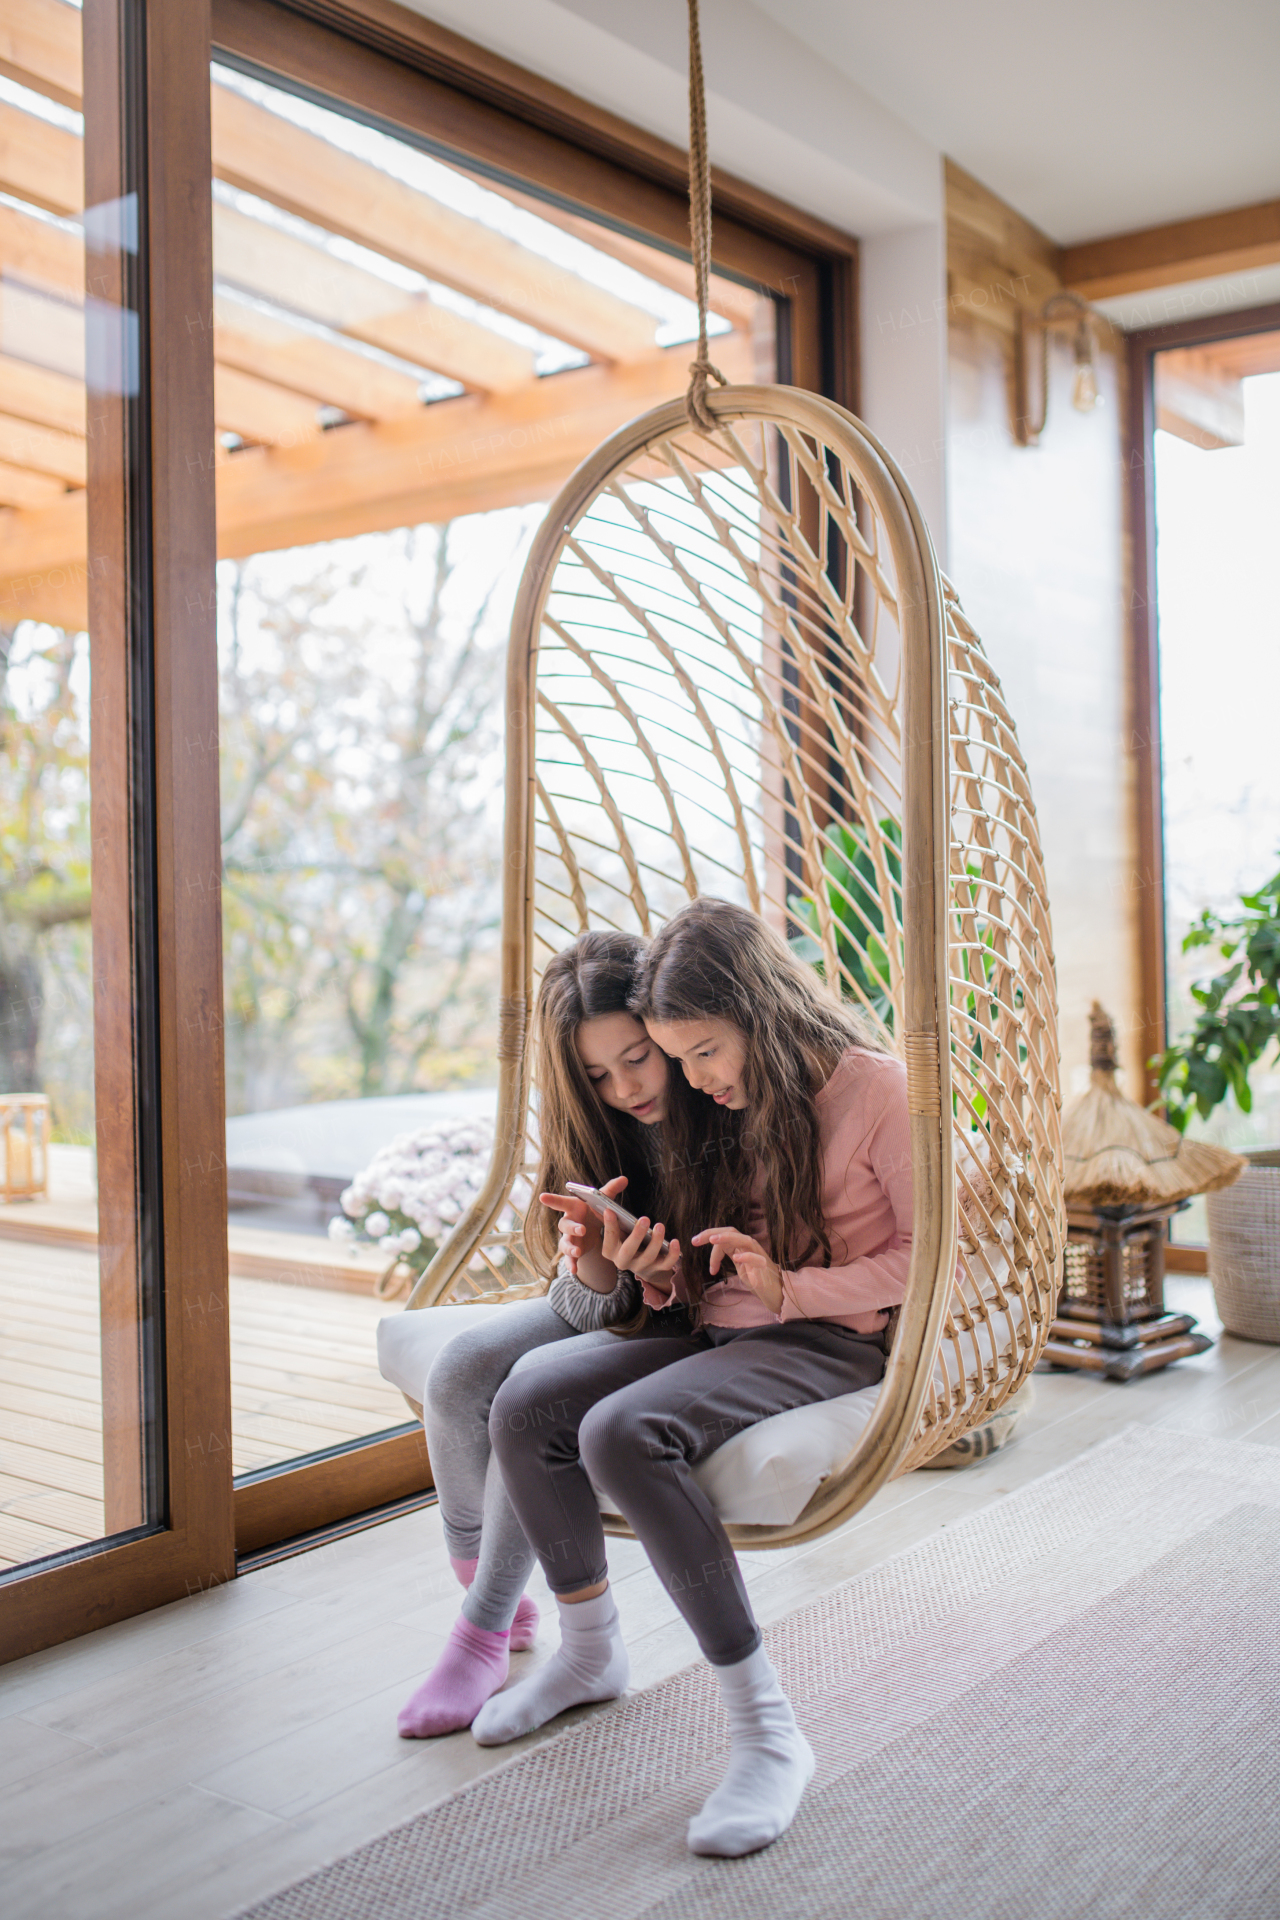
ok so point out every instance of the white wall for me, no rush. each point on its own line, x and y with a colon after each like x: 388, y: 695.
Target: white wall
x: 904, y: 359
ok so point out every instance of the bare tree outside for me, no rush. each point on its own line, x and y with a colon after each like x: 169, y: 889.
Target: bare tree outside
x: 361, y: 717
x: 361, y: 742
x: 46, y: 966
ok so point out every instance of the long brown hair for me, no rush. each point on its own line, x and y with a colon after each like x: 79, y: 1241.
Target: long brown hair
x: 581, y: 1138
x: 717, y: 960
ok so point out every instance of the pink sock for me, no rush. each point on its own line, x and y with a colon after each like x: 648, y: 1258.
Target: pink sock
x: 472, y: 1666
x: 524, y: 1628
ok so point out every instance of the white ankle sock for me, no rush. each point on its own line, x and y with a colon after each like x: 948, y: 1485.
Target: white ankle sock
x: 591, y: 1664
x: 770, y: 1764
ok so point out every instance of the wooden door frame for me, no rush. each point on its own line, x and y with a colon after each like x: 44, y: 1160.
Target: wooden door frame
x: 1142, y: 347
x: 159, y: 990
x: 425, y: 84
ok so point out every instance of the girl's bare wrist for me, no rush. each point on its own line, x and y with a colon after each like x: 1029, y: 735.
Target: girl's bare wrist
x: 596, y: 1272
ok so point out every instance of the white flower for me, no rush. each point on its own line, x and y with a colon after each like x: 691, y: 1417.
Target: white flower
x: 390, y: 1243
x: 340, y: 1229
x: 429, y: 1178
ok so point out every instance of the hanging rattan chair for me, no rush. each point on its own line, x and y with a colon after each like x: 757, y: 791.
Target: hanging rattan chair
x: 735, y: 669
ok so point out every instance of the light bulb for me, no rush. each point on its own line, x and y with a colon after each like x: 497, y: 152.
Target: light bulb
x: 1084, y: 390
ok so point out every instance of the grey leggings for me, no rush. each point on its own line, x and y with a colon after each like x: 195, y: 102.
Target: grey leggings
x: 569, y: 1414
x: 478, y: 1521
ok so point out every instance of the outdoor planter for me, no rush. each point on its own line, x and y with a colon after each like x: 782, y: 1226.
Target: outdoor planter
x: 1244, y: 1249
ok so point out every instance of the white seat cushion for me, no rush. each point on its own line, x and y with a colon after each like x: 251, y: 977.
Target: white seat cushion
x: 764, y: 1476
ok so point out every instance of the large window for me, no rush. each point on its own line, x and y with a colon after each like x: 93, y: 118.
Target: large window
x: 266, y: 484
x: 1217, y: 500
x: 81, y: 1319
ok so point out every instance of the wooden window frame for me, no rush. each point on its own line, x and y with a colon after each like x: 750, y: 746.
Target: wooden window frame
x: 153, y: 646
x: 425, y: 83
x: 1142, y: 348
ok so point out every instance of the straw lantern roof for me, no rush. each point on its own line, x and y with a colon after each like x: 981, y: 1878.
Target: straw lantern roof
x: 1119, y: 1155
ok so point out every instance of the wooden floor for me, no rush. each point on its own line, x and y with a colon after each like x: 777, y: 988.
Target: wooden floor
x: 181, y: 1765
x: 304, y: 1376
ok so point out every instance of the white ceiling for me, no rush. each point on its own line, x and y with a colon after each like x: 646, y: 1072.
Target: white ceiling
x: 1089, y: 116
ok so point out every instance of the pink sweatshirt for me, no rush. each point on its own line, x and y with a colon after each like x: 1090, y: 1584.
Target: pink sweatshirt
x: 866, y: 1206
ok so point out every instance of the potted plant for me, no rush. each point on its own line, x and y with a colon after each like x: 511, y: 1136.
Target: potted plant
x: 1237, y: 1026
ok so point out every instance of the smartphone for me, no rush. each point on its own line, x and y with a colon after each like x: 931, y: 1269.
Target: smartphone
x: 600, y: 1204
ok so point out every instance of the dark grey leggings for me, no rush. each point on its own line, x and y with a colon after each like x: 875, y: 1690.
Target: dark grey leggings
x: 637, y: 1417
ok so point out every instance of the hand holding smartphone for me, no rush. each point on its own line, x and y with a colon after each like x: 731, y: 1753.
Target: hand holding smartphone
x: 601, y: 1204
x: 652, y: 1256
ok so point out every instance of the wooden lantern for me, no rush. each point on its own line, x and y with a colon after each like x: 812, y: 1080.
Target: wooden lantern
x: 24, y: 1145
x: 1111, y: 1316
x: 1127, y: 1174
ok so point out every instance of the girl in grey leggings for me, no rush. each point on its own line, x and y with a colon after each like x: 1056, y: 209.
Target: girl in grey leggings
x: 602, y: 1090
x: 794, y: 1129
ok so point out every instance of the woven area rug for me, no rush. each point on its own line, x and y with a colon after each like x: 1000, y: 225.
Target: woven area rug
x: 1066, y: 1705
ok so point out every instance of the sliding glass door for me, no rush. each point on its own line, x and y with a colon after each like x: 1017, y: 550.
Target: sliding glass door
x: 114, y: 1466
x: 300, y: 331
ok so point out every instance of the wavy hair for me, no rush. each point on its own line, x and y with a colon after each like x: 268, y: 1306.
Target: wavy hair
x: 717, y: 960
x: 581, y: 1138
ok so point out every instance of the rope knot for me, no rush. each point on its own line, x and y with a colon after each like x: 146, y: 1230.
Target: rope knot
x: 701, y: 372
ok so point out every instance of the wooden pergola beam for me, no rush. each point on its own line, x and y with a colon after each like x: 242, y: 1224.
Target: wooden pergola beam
x: 1200, y: 249
x: 34, y: 393
x: 261, y: 412
x: 19, y: 487
x: 1198, y: 400
x: 40, y: 47
x: 459, y: 456
x: 35, y: 256
x: 39, y: 162
x: 255, y: 149
x: 24, y: 443
x: 249, y: 254
x: 44, y: 255
x: 258, y: 151
x: 737, y: 303
x: 329, y: 374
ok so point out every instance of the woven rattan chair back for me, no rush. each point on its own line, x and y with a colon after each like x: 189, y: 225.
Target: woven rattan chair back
x: 736, y: 670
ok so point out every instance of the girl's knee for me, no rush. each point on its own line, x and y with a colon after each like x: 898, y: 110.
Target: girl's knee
x: 452, y: 1386
x: 614, y: 1435
x: 514, y: 1415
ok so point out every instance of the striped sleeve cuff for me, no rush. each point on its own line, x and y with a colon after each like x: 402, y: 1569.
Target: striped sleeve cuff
x: 588, y: 1311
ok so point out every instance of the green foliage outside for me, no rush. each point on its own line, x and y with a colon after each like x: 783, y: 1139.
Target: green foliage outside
x: 46, y: 964
x: 1239, y: 1019
x: 854, y: 898
x: 860, y: 937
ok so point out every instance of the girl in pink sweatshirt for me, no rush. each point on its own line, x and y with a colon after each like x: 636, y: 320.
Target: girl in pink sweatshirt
x: 787, y: 1238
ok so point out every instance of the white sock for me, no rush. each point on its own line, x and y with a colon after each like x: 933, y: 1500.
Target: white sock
x: 590, y: 1664
x: 770, y: 1764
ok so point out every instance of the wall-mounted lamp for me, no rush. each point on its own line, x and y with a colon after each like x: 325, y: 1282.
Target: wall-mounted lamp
x: 1061, y: 313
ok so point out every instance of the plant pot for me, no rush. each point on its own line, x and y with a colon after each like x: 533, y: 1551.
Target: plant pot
x: 1244, y: 1249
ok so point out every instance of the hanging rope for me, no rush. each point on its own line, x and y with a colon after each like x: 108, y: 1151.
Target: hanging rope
x: 701, y: 370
